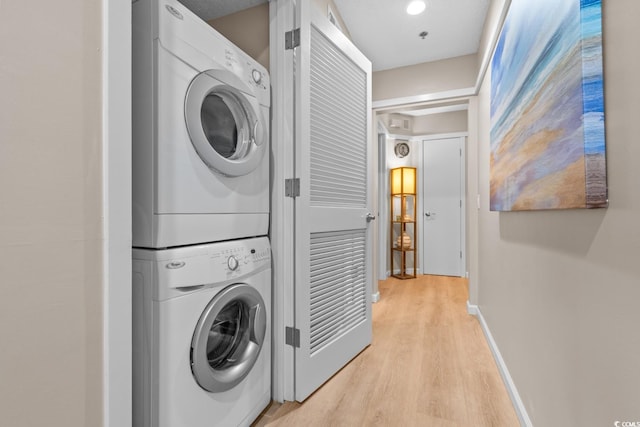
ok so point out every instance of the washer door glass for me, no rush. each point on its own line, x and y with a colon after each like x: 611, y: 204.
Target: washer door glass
x: 224, y: 123
x: 228, y: 338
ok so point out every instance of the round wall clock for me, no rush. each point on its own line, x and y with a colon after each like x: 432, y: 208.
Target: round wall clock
x: 401, y: 149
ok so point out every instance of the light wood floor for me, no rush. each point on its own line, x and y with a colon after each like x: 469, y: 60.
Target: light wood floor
x: 428, y: 365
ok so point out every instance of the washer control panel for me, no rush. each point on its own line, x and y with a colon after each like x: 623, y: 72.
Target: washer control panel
x: 242, y: 256
x: 179, y: 270
x: 232, y: 263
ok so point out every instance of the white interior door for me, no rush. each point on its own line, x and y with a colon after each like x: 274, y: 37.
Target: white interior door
x: 333, y: 247
x: 442, y: 206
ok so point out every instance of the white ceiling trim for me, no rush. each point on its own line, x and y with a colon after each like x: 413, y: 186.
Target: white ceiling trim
x: 430, y: 137
x: 492, y: 44
x: 420, y: 99
x: 435, y: 110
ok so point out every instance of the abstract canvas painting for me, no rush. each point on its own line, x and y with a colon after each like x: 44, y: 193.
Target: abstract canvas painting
x: 547, y: 108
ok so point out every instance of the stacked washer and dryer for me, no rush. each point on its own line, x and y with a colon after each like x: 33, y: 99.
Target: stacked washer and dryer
x: 201, y: 258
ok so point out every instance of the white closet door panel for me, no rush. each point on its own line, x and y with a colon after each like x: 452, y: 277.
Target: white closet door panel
x: 442, y: 204
x: 333, y: 237
x: 338, y: 137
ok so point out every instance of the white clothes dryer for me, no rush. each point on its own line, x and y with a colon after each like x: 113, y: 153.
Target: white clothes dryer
x: 200, y: 132
x: 201, y: 334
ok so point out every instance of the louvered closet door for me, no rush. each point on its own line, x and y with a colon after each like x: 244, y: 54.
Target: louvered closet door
x: 333, y: 238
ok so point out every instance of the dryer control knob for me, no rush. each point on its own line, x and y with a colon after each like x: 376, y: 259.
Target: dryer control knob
x: 232, y: 263
x: 257, y: 76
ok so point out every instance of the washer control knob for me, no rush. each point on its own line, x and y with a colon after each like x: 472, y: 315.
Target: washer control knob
x: 257, y: 76
x: 232, y: 263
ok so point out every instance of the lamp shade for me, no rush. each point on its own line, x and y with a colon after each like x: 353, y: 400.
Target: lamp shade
x: 403, y: 180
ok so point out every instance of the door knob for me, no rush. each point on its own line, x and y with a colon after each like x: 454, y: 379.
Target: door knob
x: 427, y: 214
x: 370, y: 217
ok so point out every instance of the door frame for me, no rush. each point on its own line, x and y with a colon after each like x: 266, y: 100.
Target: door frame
x: 281, y: 16
x: 116, y: 214
x: 463, y: 194
x: 417, y: 160
x: 381, y: 188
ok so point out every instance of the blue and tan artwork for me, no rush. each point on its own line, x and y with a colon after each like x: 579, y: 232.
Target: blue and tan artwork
x: 547, y: 108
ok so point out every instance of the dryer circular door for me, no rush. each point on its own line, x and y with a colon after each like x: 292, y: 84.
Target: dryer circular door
x: 224, y: 124
x: 228, y: 338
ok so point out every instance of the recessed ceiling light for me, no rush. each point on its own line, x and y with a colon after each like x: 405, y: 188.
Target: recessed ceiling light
x: 416, y: 7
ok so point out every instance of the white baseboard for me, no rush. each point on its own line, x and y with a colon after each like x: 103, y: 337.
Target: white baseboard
x: 521, y: 411
x: 375, y: 297
x: 472, y: 309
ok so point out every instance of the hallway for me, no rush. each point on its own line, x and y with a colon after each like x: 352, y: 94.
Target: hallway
x: 428, y: 365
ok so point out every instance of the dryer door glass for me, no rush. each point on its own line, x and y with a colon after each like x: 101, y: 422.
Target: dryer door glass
x: 219, y: 125
x: 228, y: 338
x: 224, y: 125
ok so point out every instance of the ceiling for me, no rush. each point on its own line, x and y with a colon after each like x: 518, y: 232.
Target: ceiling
x: 383, y: 30
x: 389, y: 37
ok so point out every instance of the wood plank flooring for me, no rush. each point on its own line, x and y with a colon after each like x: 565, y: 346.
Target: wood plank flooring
x: 428, y: 365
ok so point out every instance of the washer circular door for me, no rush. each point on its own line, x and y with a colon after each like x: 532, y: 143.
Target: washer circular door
x: 228, y: 338
x: 224, y: 124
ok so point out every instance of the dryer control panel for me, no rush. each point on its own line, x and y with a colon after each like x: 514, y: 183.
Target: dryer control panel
x: 251, y: 72
x: 257, y: 78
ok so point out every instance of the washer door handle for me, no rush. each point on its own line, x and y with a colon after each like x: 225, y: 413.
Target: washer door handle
x: 257, y: 326
x: 254, y: 138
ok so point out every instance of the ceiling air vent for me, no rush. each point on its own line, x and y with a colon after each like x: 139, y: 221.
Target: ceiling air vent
x: 399, y: 124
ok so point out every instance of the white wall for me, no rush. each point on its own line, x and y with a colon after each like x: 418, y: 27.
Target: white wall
x: 560, y: 289
x: 249, y: 30
x: 426, y: 78
x: 442, y: 123
x: 51, y: 213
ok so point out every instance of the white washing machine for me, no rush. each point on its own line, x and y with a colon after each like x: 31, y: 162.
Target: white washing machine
x: 201, y: 334
x: 200, y: 132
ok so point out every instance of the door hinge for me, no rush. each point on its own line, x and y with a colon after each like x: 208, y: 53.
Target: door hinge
x: 461, y: 152
x: 292, y: 39
x: 460, y: 254
x: 292, y: 187
x: 292, y: 336
x: 460, y: 203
